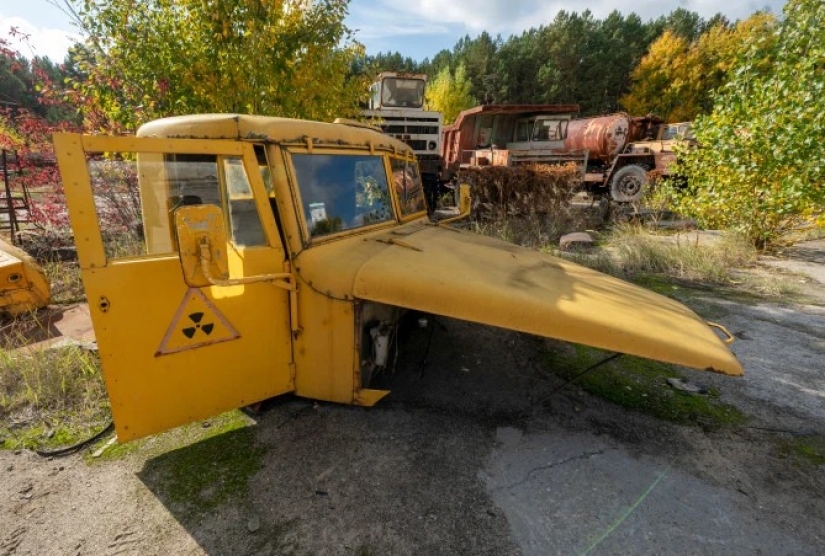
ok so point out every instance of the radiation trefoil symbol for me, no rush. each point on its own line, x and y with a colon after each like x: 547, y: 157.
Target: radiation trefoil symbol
x: 197, y: 323
x: 196, y: 319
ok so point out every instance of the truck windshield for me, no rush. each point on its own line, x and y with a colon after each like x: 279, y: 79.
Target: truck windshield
x: 549, y: 129
x: 678, y: 131
x: 342, y: 192
x: 398, y: 92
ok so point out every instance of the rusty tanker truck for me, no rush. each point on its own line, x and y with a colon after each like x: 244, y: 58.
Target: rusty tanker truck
x: 623, y: 150
x: 616, y: 152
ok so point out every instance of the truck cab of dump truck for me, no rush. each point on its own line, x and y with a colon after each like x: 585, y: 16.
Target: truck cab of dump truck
x: 396, y: 106
x: 271, y: 255
x: 510, y: 135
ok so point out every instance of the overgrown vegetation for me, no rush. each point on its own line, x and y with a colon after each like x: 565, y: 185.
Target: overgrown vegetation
x: 758, y: 170
x: 153, y: 59
x: 635, y: 251
x: 48, y: 397
x: 65, y: 281
x: 641, y: 385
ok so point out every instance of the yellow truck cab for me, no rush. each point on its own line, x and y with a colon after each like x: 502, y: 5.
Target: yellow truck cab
x: 277, y: 255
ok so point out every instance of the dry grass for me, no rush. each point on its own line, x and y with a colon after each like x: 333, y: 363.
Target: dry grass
x: 526, y: 205
x: 690, y: 256
x: 724, y: 259
x: 48, y: 396
x: 534, y: 231
x: 66, y: 283
x: 500, y: 192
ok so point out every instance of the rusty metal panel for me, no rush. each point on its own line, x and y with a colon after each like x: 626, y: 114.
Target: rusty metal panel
x: 461, y: 137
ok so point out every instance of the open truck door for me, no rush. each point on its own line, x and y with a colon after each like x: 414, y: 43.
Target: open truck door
x: 185, y: 272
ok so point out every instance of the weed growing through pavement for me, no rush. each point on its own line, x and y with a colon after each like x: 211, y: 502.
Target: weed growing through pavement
x: 640, y: 385
x: 48, y: 396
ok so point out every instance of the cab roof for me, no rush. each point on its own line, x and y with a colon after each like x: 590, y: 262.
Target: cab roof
x: 268, y: 129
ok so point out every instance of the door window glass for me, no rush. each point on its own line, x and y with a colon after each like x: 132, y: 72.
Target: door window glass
x: 546, y: 130
x: 243, y: 213
x: 523, y: 130
x: 136, y: 196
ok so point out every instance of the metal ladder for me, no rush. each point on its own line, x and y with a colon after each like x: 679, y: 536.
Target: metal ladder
x: 15, y: 206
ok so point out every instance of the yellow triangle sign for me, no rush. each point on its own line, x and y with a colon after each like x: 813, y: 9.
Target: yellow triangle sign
x: 196, y: 323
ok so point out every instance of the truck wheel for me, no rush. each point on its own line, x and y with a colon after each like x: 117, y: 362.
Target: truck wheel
x: 628, y: 183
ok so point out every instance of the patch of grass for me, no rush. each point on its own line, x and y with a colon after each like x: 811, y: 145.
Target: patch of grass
x: 65, y: 280
x: 638, y: 251
x: 664, y: 261
x: 641, y: 385
x: 50, y: 397
x: 809, y: 449
x: 532, y: 231
x: 213, y: 469
x: 364, y: 550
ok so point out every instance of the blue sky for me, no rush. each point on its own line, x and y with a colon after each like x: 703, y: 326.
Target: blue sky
x: 415, y: 28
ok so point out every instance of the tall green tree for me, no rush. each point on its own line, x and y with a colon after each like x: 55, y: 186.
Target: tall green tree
x: 677, y: 78
x: 683, y: 23
x: 449, y: 93
x: 478, y: 56
x: 518, y: 63
x: 575, y: 59
x: 161, y: 57
x: 392, y: 61
x: 760, y: 167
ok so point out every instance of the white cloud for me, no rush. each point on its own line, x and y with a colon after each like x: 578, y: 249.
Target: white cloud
x: 514, y: 16
x: 33, y: 40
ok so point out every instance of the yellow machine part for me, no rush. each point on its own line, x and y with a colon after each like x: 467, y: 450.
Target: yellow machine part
x: 472, y: 277
x: 23, y: 284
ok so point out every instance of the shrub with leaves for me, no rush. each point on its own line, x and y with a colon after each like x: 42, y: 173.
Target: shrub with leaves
x: 760, y: 168
x: 149, y: 59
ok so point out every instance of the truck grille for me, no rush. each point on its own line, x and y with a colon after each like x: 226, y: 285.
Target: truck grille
x: 410, y: 129
x: 417, y: 144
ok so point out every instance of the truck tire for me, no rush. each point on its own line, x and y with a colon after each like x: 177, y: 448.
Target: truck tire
x: 628, y: 183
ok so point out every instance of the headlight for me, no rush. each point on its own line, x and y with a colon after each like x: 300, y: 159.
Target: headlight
x: 431, y: 145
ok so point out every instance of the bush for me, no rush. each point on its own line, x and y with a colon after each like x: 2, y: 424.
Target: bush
x: 759, y: 169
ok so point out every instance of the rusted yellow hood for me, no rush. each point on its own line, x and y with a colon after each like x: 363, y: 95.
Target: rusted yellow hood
x: 480, y: 279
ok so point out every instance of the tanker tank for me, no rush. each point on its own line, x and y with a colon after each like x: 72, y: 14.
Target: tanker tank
x: 605, y: 137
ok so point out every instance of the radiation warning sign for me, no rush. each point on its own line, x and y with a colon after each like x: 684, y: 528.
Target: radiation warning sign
x: 196, y: 323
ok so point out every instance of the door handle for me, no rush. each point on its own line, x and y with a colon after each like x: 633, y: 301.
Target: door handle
x: 284, y: 280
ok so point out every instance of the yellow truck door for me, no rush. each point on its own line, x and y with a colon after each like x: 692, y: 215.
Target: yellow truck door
x: 177, y: 346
